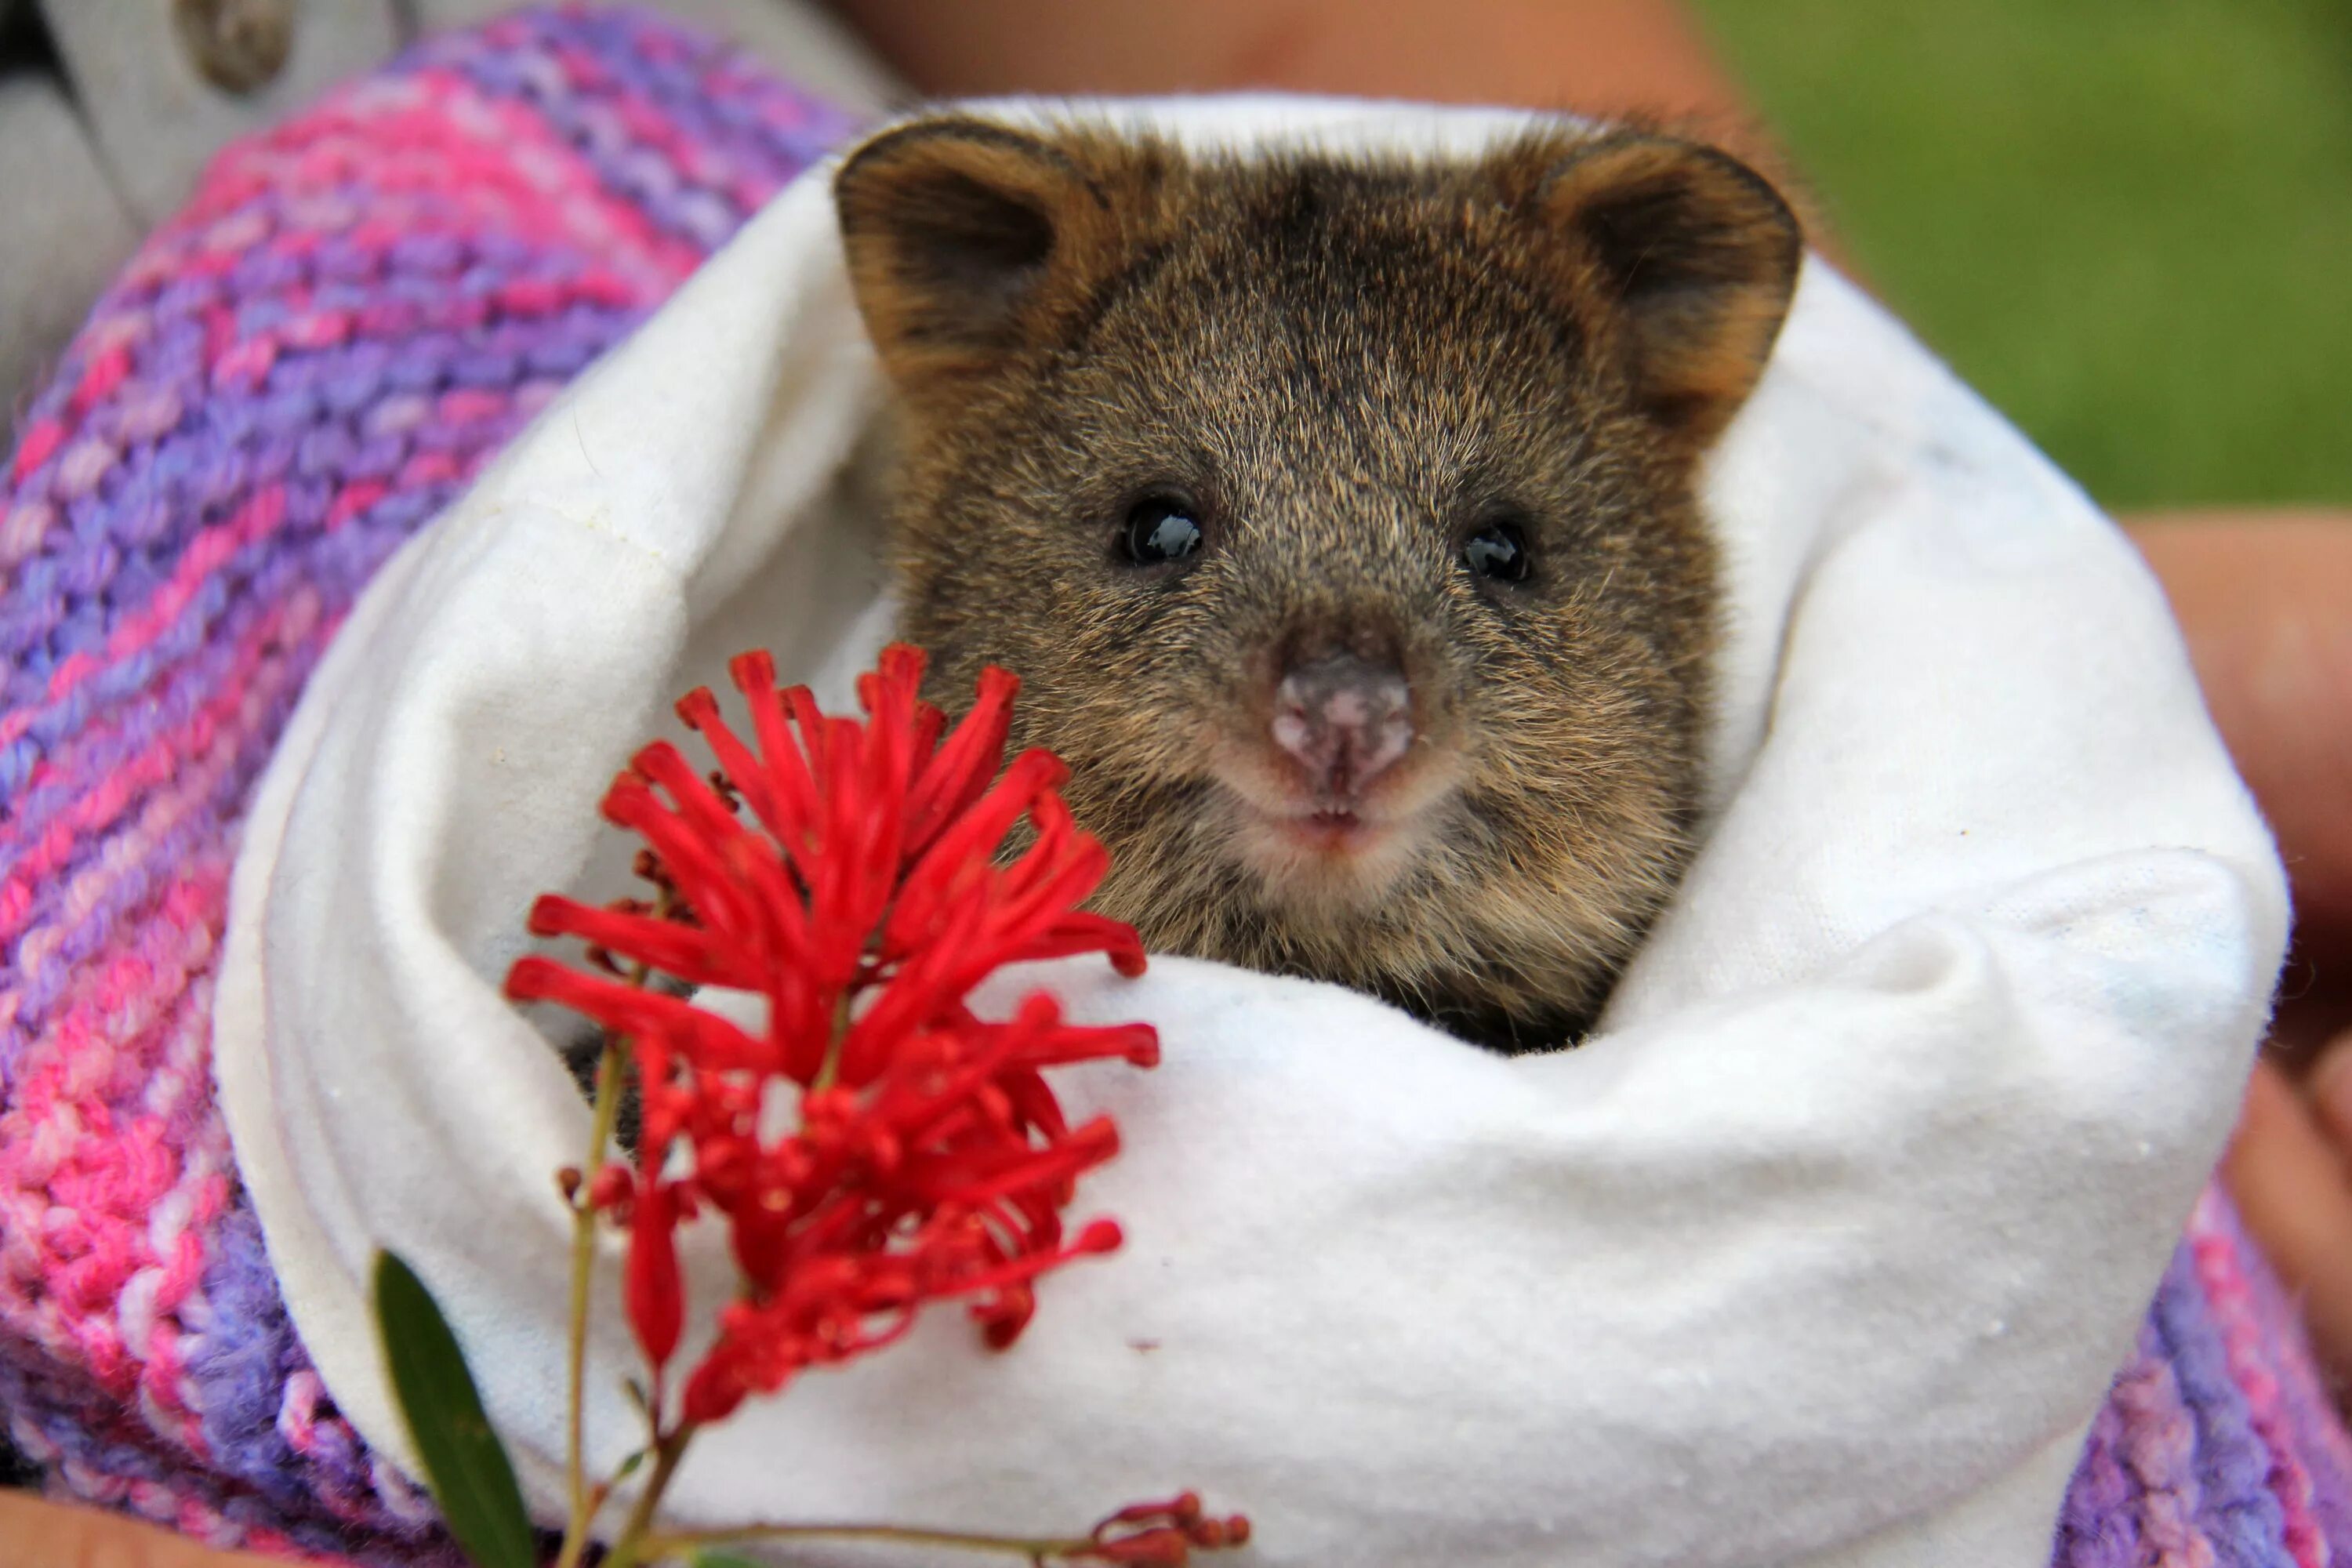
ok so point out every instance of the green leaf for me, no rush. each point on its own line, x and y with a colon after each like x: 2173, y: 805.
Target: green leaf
x: 465, y: 1464
x: 723, y: 1560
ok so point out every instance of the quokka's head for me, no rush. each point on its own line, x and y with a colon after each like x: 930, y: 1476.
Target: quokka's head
x: 1337, y: 515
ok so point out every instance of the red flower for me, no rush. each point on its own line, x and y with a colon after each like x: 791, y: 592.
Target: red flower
x: 922, y: 1154
x: 1162, y: 1533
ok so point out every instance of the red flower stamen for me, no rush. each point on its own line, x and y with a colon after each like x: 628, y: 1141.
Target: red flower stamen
x: 921, y: 1155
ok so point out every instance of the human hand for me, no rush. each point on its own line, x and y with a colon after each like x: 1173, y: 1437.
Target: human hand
x: 51, y: 1535
x: 2266, y: 601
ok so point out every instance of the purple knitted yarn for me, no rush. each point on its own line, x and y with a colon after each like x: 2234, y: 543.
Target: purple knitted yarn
x: 2216, y: 1446
x: 353, y: 313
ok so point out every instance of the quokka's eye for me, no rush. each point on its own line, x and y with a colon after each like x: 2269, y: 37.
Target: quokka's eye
x: 1498, y: 553
x: 1159, y: 529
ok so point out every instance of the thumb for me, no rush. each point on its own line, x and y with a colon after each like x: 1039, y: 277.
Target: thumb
x: 2289, y: 1179
x: 52, y: 1535
x: 2329, y: 1086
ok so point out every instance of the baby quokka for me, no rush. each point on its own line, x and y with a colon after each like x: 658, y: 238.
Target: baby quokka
x: 1337, y: 515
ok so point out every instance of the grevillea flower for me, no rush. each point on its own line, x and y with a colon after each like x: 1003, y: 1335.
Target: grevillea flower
x: 875, y: 1145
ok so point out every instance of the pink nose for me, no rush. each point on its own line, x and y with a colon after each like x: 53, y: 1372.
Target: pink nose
x: 1345, y: 720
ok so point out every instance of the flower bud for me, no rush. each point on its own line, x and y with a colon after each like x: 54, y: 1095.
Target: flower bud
x: 652, y: 1287
x: 610, y: 1188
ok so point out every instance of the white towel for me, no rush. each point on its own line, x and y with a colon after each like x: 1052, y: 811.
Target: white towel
x: 1823, y: 1251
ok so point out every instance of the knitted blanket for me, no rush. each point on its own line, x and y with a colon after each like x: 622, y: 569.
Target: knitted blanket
x: 292, y: 378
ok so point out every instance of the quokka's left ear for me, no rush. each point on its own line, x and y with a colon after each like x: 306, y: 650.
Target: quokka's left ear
x: 1695, y: 258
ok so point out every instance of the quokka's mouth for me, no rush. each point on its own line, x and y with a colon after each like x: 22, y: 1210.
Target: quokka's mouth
x: 1323, y: 847
x: 1332, y: 831
x: 1324, y: 852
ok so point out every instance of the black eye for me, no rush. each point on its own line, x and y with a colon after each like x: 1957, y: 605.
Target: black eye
x: 1498, y: 551
x: 1159, y: 529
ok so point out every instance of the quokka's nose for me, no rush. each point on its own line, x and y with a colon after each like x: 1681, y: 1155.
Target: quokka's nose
x: 1345, y: 720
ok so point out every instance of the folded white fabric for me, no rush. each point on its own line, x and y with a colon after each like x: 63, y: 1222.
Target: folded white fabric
x: 1821, y: 1252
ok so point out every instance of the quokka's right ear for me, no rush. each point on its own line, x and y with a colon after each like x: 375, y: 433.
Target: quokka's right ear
x: 962, y: 236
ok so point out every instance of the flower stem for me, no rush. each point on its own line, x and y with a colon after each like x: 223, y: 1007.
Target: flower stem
x: 634, y: 1545
x: 612, y: 1068
x: 611, y: 1078
x: 610, y: 1073
x: 1034, y: 1550
x: 830, y: 1068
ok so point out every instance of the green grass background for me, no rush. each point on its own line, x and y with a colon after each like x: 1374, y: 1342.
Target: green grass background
x: 2128, y: 223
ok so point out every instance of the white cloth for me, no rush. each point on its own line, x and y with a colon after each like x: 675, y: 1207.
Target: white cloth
x: 1822, y: 1251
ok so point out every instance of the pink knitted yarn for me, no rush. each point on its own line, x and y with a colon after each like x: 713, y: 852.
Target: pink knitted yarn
x: 352, y: 313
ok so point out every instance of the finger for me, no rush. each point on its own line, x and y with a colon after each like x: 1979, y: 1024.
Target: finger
x: 2329, y: 1089
x: 51, y: 1535
x: 2291, y: 1188
x: 2266, y: 602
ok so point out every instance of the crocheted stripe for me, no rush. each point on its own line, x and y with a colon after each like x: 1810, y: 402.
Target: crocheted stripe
x: 2313, y: 1433
x: 115, y: 1464
x: 2214, y: 1447
x: 351, y: 315
x: 2241, y: 1514
x: 2248, y: 1345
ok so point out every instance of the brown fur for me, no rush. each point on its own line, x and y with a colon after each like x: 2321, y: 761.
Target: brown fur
x: 1348, y: 366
